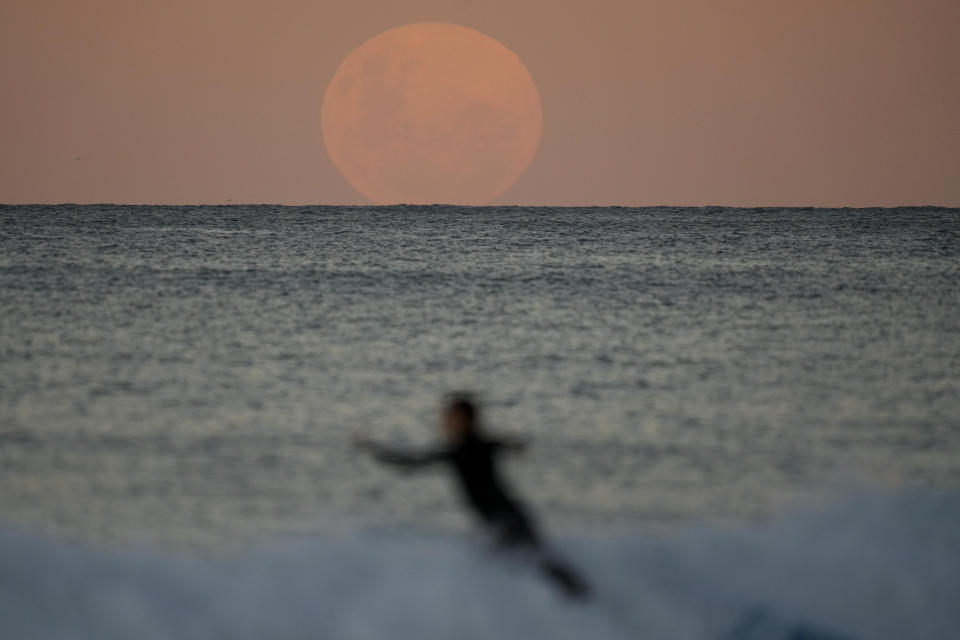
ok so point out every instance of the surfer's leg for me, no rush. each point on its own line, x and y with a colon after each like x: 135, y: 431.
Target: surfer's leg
x: 516, y: 526
x: 563, y: 576
x: 516, y: 531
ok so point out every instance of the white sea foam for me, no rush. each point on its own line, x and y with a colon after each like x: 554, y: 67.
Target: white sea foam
x: 868, y: 567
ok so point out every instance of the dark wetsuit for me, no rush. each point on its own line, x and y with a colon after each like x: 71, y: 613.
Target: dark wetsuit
x: 474, y: 462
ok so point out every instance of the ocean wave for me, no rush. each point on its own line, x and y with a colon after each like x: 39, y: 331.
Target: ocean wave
x: 869, y: 566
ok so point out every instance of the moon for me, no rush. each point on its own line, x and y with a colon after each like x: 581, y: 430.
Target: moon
x: 432, y: 113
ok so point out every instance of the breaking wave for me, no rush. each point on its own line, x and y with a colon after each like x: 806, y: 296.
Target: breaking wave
x: 870, y: 566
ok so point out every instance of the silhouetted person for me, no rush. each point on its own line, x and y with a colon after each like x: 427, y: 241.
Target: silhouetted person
x: 473, y: 458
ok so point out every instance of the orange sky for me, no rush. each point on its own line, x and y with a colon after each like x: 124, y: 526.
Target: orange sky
x: 681, y: 102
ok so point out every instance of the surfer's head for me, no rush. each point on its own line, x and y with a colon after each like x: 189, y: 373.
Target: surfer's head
x: 459, y: 416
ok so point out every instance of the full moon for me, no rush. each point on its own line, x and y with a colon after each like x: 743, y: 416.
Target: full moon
x: 431, y: 113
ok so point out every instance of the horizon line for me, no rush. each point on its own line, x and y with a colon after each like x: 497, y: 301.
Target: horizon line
x: 476, y: 206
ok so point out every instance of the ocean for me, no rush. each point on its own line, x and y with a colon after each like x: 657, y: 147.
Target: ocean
x: 743, y: 423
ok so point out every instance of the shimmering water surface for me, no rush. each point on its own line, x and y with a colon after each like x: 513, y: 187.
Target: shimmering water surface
x: 195, y: 375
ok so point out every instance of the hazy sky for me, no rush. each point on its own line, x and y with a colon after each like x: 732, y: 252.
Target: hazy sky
x: 685, y: 102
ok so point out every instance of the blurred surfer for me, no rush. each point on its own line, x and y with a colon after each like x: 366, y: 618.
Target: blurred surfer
x: 473, y: 458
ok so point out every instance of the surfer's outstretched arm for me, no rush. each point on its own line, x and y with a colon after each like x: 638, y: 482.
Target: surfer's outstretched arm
x: 403, y: 459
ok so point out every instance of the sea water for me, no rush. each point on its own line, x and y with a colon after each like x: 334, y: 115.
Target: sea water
x: 742, y: 422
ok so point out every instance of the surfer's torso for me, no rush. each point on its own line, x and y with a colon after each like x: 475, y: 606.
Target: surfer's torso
x: 474, y: 462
